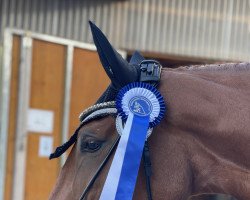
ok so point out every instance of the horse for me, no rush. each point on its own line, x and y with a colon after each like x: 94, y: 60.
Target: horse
x: 201, y: 146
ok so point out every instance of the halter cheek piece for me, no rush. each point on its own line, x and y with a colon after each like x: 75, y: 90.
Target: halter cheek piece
x: 150, y: 73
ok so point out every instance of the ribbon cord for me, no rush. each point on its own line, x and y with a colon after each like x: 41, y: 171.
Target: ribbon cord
x: 122, y: 175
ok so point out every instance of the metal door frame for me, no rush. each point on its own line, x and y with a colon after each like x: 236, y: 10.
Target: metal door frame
x: 23, y: 99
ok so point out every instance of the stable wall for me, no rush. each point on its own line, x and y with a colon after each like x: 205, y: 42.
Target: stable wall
x: 49, y: 74
x: 197, y: 28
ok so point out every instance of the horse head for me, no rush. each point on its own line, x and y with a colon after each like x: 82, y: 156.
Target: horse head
x: 96, y: 136
x: 190, y: 148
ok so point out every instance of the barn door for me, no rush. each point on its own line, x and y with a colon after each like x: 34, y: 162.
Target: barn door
x: 51, y: 81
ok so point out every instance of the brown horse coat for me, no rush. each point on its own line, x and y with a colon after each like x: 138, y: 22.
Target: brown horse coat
x: 201, y: 146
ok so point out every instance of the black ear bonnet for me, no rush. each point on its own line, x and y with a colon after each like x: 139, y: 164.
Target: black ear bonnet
x: 117, y: 68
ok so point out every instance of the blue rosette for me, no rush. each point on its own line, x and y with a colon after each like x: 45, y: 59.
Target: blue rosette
x: 144, y: 92
x: 141, y: 107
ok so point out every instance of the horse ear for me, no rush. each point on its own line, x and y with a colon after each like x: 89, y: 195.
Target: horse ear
x: 116, y: 67
x: 136, y: 58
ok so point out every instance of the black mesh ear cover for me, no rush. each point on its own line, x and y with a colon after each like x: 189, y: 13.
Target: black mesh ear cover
x: 118, y: 69
x: 111, y: 92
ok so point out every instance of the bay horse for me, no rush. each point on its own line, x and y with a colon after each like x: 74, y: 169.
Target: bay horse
x: 201, y: 146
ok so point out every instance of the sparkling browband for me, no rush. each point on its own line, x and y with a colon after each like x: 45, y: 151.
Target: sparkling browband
x: 97, y: 110
x: 104, y: 109
x: 86, y: 113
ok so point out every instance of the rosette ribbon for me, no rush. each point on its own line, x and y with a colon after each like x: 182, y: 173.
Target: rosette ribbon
x: 142, y: 107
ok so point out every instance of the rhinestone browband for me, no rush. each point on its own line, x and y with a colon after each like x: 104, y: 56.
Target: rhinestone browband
x: 89, y: 112
x: 97, y: 110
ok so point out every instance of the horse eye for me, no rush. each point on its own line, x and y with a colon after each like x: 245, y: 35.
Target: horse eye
x: 91, y: 146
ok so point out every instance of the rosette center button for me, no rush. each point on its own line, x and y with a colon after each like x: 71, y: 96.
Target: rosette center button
x: 140, y: 105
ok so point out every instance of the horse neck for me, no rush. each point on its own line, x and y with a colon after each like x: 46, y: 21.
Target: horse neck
x: 211, y: 106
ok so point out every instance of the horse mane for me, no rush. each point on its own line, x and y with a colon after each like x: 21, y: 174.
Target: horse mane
x: 232, y: 67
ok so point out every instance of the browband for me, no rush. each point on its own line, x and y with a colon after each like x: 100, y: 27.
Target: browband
x: 93, y: 112
x: 97, y: 107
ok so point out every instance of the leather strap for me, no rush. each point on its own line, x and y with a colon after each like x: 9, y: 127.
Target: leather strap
x: 150, y: 73
x: 147, y: 169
